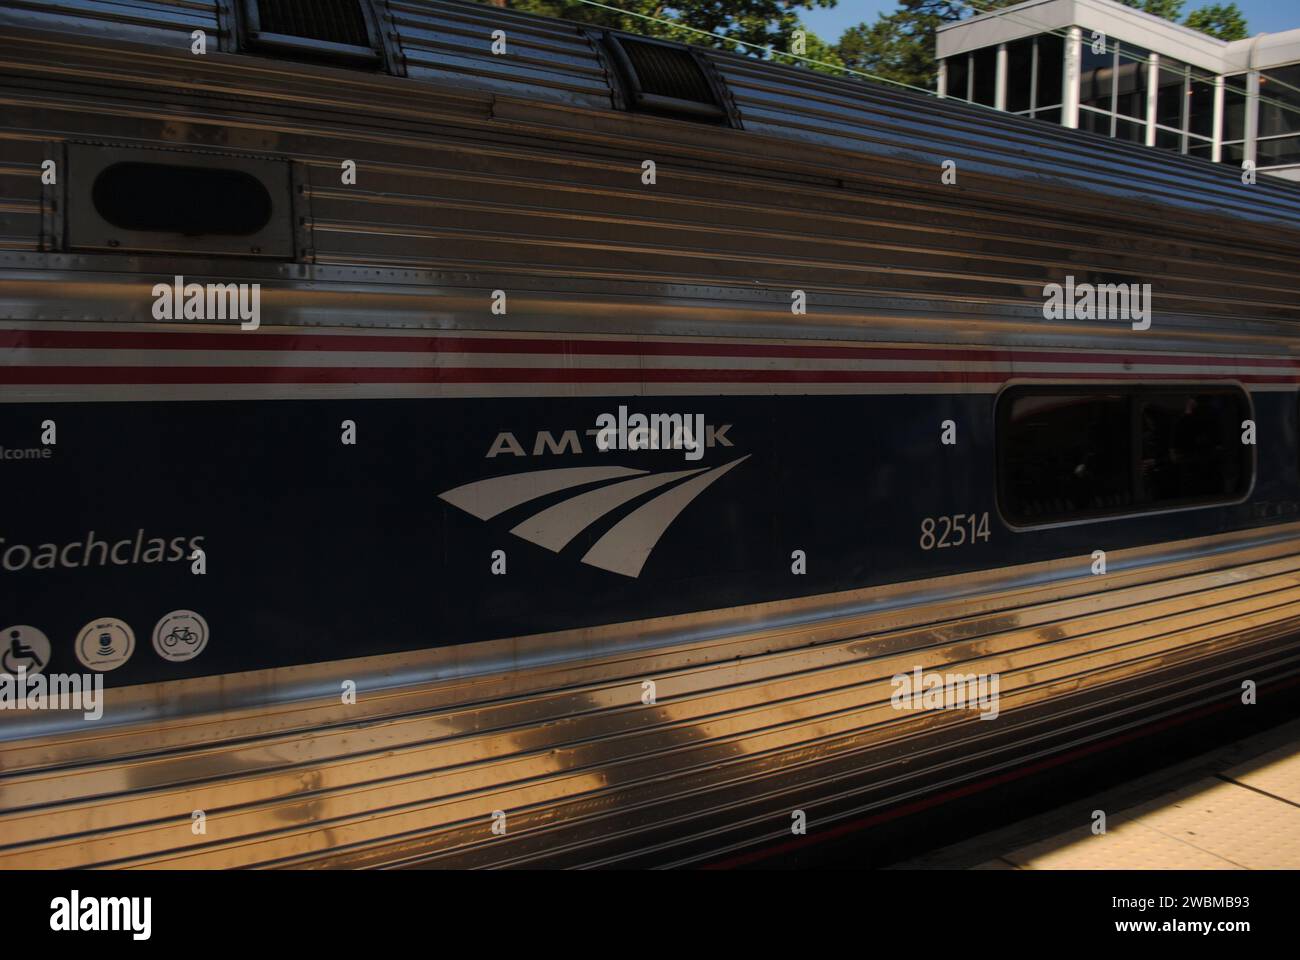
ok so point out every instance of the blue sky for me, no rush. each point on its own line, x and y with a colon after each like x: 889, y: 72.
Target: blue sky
x: 1266, y: 16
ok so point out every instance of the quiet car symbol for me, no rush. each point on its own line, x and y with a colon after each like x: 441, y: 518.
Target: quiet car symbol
x: 180, y: 635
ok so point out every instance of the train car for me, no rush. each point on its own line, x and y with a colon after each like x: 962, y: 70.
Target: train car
x: 457, y: 438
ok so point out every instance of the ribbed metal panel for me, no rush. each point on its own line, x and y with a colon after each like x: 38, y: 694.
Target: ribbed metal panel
x: 898, y: 125
x: 833, y: 186
x: 20, y: 192
x: 572, y: 215
x: 452, y: 43
x: 168, y: 22
x: 419, y: 774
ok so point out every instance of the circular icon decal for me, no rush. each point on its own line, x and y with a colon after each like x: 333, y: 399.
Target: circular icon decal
x: 105, y: 644
x: 23, y: 648
x: 180, y: 636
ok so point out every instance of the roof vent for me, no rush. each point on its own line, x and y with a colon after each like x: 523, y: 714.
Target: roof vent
x: 666, y: 78
x: 313, y: 29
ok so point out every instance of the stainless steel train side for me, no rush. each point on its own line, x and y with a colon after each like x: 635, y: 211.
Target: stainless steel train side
x: 525, y: 174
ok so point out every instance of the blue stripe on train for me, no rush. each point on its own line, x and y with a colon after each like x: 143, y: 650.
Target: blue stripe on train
x: 318, y: 551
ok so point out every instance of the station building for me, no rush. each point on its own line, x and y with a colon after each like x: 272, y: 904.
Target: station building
x: 1100, y: 66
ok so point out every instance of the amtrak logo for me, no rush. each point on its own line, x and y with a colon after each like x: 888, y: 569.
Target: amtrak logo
x: 626, y: 546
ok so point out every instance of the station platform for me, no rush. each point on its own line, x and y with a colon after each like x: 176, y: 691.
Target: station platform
x: 1234, y: 808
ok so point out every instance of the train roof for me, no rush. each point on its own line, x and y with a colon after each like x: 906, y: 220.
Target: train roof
x: 1045, y: 195
x: 447, y: 44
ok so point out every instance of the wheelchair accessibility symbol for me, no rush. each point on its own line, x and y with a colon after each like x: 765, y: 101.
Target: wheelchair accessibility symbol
x: 180, y: 636
x: 23, y: 648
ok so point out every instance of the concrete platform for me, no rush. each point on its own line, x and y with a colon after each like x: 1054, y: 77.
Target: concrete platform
x: 1236, y: 808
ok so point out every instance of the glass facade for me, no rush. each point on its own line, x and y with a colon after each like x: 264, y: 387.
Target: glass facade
x: 1035, y: 77
x: 1184, y: 108
x: 1279, y: 116
x: 1130, y: 93
x: 1113, y: 90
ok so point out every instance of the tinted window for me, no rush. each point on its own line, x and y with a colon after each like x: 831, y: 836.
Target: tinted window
x: 1073, y: 453
x: 1131, y: 131
x: 958, y: 76
x: 1168, y: 140
x: 1097, y: 76
x: 1200, y: 107
x: 192, y: 201
x: 1190, y: 445
x: 1131, y: 82
x: 1094, y: 122
x: 985, y: 63
x: 1020, y: 74
x: 1051, y: 54
x: 1234, y: 107
x: 1279, y: 105
x: 1284, y: 150
x: 1171, y: 94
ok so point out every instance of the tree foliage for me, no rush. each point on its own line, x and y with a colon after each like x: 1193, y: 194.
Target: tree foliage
x: 900, y: 45
x: 761, y: 23
x: 1168, y: 9
x: 1222, y: 20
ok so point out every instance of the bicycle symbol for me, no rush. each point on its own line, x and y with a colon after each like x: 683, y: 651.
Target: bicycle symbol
x: 180, y: 635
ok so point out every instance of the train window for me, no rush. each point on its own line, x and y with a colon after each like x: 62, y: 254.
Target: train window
x: 132, y: 200
x: 313, y: 29
x: 191, y: 201
x: 1071, y: 453
x: 666, y: 78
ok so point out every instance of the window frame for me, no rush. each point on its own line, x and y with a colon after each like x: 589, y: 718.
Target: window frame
x: 1132, y: 388
x: 86, y: 230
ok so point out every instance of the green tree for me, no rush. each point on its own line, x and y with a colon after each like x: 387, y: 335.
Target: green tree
x: 1169, y: 9
x: 762, y: 23
x: 899, y: 46
x: 751, y: 27
x: 819, y: 55
x: 1221, y: 20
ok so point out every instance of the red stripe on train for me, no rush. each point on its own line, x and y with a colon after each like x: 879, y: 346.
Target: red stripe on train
x: 237, y: 375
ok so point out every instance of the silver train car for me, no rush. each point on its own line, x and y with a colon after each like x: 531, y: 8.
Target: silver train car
x: 458, y: 438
